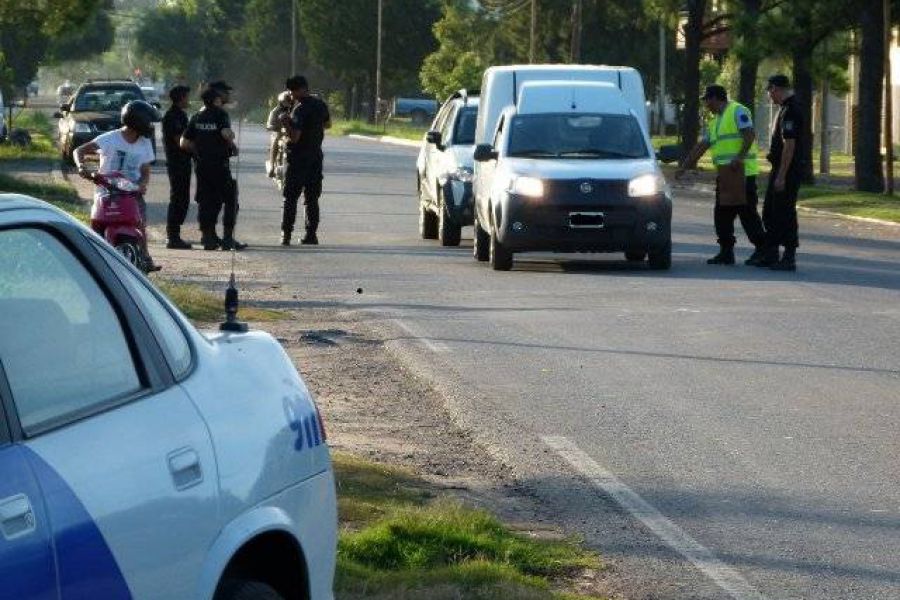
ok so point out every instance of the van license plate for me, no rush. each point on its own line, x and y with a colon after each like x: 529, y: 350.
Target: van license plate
x: 587, y: 220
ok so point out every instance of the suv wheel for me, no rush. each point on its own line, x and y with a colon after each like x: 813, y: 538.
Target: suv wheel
x: 428, y: 223
x: 501, y: 258
x: 482, y: 247
x: 241, y: 589
x: 448, y: 232
x: 661, y: 259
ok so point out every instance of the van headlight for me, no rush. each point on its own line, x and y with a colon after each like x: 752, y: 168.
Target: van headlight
x: 81, y: 127
x: 645, y: 185
x: 527, y: 186
x: 461, y: 174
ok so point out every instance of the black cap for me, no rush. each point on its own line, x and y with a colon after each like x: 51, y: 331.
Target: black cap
x: 715, y: 91
x: 178, y: 92
x: 209, y: 95
x: 220, y: 86
x: 779, y: 81
x: 297, y: 82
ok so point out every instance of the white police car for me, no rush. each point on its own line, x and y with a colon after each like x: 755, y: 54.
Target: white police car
x: 139, y: 458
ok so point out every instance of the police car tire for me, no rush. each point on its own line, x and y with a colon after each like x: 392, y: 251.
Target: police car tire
x: 501, y: 258
x: 481, y: 248
x: 661, y: 260
x: 243, y: 589
x: 448, y: 232
x: 428, y: 223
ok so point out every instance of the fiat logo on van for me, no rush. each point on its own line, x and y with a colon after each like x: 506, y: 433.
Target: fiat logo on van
x: 586, y: 188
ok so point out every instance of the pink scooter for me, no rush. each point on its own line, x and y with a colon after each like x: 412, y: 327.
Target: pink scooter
x: 117, y: 217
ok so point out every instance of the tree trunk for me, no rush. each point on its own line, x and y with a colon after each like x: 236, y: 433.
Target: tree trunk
x: 690, y: 126
x: 869, y: 174
x: 750, y: 61
x: 803, y: 89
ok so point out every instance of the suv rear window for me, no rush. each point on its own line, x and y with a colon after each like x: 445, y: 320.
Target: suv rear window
x: 105, y: 99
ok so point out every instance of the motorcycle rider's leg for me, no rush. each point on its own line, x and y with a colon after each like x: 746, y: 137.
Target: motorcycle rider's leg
x: 149, y: 266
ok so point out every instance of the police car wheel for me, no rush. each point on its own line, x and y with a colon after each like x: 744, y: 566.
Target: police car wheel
x: 240, y: 589
x: 501, y: 258
x: 448, y: 232
x: 481, y: 248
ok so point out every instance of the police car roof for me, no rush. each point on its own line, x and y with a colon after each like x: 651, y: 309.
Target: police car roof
x: 571, y: 96
x: 11, y: 202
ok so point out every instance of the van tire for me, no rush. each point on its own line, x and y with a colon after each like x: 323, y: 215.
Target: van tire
x: 501, y: 258
x: 481, y: 248
x: 243, y: 589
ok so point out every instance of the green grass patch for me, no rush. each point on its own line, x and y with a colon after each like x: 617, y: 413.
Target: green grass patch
x: 60, y: 195
x: 394, y: 128
x: 199, y: 304
x: 43, y: 136
x: 401, y: 539
x: 851, y: 202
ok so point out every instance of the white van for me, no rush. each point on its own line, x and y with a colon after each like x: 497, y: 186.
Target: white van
x: 570, y: 168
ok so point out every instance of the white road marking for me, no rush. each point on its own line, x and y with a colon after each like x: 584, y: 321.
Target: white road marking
x: 432, y: 345
x: 724, y: 576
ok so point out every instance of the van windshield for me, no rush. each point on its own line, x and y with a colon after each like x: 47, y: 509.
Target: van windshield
x: 588, y: 136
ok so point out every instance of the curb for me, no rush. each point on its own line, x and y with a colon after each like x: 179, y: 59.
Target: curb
x: 385, y: 139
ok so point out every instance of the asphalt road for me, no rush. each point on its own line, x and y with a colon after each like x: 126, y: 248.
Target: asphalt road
x: 716, y: 432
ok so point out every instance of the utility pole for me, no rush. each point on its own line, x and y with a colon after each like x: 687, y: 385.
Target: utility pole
x: 378, y: 65
x: 577, y: 8
x: 661, y: 120
x: 888, y: 101
x: 293, y: 37
x: 533, y: 31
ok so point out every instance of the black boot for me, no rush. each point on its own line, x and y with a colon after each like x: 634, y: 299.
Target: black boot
x: 757, y: 256
x: 174, y: 241
x: 769, y: 257
x: 285, y: 238
x: 229, y: 243
x: 210, y: 240
x: 724, y: 257
x: 788, y: 262
x: 310, y: 239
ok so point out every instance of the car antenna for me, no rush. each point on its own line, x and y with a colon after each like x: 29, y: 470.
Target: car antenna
x: 232, y: 303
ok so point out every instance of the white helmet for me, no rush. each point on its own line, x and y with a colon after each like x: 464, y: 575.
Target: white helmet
x: 284, y: 98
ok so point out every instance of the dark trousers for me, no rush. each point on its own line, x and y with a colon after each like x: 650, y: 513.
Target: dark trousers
x: 724, y: 216
x: 303, y: 176
x: 179, y: 195
x: 780, y: 213
x: 215, y: 189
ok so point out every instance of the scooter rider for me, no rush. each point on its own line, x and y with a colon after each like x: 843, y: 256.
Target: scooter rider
x: 210, y: 139
x: 273, y: 124
x: 128, y: 151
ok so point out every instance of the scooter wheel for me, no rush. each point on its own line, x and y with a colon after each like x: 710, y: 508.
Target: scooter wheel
x: 132, y: 253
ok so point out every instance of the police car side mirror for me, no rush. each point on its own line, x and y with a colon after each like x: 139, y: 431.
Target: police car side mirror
x: 485, y: 153
x: 57, y: 115
x: 433, y: 137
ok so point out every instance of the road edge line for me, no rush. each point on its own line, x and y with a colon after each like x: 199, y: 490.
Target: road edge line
x: 385, y: 139
x: 664, y: 528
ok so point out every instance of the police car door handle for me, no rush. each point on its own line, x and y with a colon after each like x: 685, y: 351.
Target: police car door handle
x: 184, y: 465
x: 16, y: 517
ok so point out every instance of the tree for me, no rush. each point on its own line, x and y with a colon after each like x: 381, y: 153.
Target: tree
x: 171, y: 38
x: 868, y: 172
x: 78, y: 43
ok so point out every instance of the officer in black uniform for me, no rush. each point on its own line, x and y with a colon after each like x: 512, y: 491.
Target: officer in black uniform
x: 210, y: 139
x: 178, y: 165
x: 780, y: 208
x: 305, y: 127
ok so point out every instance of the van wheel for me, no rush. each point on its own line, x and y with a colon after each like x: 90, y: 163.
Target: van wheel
x: 661, y: 260
x: 501, y: 258
x: 428, y: 223
x: 635, y: 256
x: 240, y: 589
x: 448, y: 232
x: 481, y: 249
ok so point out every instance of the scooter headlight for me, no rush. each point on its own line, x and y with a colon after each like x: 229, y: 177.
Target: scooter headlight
x: 531, y: 187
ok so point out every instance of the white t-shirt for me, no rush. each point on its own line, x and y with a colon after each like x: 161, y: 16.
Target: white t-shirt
x: 117, y: 155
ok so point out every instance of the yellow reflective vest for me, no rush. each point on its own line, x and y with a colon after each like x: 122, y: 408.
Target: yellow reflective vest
x: 725, y: 140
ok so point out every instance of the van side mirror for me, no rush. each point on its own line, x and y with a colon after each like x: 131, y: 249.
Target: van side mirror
x: 433, y: 137
x: 485, y: 153
x: 669, y: 153
x: 57, y: 115
x: 64, y: 107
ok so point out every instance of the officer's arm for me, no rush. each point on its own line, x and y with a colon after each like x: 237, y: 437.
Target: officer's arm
x: 787, y: 155
x: 186, y: 145
x: 694, y: 155
x: 749, y: 136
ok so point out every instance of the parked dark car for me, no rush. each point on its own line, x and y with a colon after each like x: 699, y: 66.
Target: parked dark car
x: 93, y: 109
x: 419, y: 110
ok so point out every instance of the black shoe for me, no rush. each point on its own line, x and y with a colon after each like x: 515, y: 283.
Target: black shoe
x: 176, y: 243
x: 285, y: 239
x: 310, y: 240
x: 768, y: 258
x: 787, y: 263
x: 211, y: 243
x: 230, y: 243
x: 724, y: 257
x: 754, y: 258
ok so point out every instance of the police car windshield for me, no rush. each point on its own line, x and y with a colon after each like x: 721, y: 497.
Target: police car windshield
x: 105, y: 99
x: 587, y: 136
x: 465, y: 127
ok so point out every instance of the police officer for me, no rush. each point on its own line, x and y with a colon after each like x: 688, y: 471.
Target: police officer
x: 780, y: 207
x: 210, y: 139
x: 730, y: 135
x: 305, y: 128
x: 178, y: 165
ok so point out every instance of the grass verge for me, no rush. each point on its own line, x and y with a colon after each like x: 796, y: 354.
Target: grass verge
x: 400, y: 538
x: 42, y: 131
x: 199, y: 304
x: 60, y: 195
x: 851, y: 202
x: 394, y: 128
